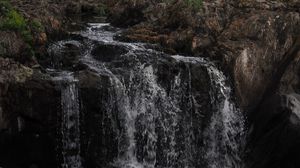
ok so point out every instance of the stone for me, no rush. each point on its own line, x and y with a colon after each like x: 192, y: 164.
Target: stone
x: 253, y: 53
x: 42, y: 39
x: 11, y: 45
x: 108, y: 53
x: 55, y: 24
x: 28, y: 118
x: 66, y: 58
x: 275, y: 135
x: 13, y: 72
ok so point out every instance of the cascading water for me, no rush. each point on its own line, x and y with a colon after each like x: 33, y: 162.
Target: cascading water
x: 70, y: 124
x: 166, y: 111
x: 224, y: 135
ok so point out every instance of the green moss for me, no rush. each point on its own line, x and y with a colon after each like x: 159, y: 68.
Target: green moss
x: 37, y: 26
x: 195, y: 4
x: 13, y: 21
x: 27, y: 36
x: 5, y: 6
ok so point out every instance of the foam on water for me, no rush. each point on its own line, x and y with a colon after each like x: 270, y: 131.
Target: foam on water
x: 151, y: 114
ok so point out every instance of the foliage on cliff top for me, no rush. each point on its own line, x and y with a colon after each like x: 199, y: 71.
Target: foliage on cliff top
x: 4, y: 6
x: 12, y: 20
x: 195, y: 4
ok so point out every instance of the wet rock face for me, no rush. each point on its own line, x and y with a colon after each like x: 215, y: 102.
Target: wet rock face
x: 29, y: 112
x: 63, y: 56
x: 11, y: 73
x: 275, y: 140
x: 108, y: 53
x: 99, y: 137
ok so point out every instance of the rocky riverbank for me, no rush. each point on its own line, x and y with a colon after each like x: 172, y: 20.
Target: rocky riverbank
x: 250, y: 38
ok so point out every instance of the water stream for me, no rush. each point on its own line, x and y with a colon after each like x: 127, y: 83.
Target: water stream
x: 170, y: 117
x: 70, y: 116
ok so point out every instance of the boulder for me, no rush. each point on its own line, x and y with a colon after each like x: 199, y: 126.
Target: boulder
x: 254, y: 47
x: 28, y: 121
x: 63, y: 56
x: 99, y: 141
x: 13, y: 72
x: 11, y: 45
x: 275, y: 135
x: 108, y: 53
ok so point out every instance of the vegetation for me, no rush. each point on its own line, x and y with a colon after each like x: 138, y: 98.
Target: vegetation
x: 16, y: 22
x: 195, y: 4
x: 4, y: 6
x: 37, y: 26
x: 12, y: 20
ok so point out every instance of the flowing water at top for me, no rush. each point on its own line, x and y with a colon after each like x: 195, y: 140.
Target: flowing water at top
x: 167, y: 111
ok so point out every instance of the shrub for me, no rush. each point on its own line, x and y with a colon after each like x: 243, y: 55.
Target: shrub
x: 5, y: 6
x: 13, y: 21
x: 16, y: 22
x: 27, y: 36
x: 195, y: 4
x: 37, y: 26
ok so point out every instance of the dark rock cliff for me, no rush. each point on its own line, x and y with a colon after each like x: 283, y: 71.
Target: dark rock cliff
x: 250, y: 38
x: 28, y: 117
x: 275, y: 136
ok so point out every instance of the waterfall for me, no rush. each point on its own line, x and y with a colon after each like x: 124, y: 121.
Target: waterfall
x: 165, y: 111
x: 224, y: 135
x: 223, y: 138
x: 142, y: 102
x: 133, y: 103
x: 70, y: 124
